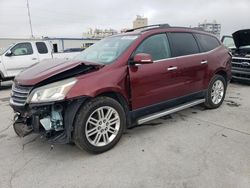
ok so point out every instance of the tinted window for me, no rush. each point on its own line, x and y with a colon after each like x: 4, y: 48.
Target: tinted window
x: 207, y: 42
x: 183, y: 44
x: 156, y: 45
x: 22, y: 49
x: 41, y: 47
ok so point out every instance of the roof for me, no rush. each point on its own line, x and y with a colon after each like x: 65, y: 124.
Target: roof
x: 166, y: 27
x: 160, y: 28
x: 155, y: 26
x: 48, y: 38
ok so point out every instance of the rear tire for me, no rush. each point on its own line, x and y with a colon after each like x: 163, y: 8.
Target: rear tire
x: 99, y: 125
x: 216, y: 92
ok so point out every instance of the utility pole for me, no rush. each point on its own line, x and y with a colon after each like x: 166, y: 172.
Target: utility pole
x: 31, y: 31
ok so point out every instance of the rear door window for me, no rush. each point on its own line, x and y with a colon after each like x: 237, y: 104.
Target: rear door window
x: 41, y: 48
x: 183, y: 44
x: 157, y: 46
x: 207, y: 42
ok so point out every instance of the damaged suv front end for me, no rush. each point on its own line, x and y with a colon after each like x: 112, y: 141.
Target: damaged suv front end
x: 42, y: 106
x: 46, y: 98
x: 46, y: 106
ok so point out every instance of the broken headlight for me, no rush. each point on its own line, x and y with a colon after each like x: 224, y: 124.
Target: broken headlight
x: 52, y: 92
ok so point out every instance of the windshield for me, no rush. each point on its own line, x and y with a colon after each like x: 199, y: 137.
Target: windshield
x: 3, y: 50
x: 107, y: 50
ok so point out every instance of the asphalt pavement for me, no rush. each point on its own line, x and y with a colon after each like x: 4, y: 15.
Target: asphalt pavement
x: 194, y: 148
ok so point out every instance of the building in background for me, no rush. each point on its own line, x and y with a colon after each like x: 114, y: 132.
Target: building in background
x: 99, y: 33
x: 91, y: 33
x: 211, y: 27
x: 140, y: 21
x: 89, y: 37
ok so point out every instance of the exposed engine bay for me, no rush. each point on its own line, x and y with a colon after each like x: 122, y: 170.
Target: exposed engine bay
x: 54, y: 121
x: 49, y: 117
x: 245, y: 52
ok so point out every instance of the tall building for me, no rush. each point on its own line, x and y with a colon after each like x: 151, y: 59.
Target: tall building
x: 211, y: 27
x: 140, y: 21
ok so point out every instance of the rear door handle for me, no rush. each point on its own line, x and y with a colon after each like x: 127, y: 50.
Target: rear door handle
x: 204, y: 62
x: 34, y: 58
x: 172, y: 68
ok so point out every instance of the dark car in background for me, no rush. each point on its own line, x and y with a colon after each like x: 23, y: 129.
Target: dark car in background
x: 119, y: 82
x: 239, y: 44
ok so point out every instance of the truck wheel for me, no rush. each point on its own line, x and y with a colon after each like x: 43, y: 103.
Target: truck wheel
x: 99, y: 125
x: 216, y: 92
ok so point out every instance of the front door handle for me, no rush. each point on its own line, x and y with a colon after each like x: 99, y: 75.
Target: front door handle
x: 204, y: 62
x: 34, y: 58
x: 172, y: 68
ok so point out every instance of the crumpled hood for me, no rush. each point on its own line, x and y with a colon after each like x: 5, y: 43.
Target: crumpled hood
x: 242, y: 38
x: 51, y: 68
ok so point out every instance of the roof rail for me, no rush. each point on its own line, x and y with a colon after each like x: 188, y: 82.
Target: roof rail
x: 149, y: 26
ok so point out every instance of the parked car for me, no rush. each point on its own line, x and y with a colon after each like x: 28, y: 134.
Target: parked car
x: 239, y: 43
x: 119, y: 82
x: 22, y: 55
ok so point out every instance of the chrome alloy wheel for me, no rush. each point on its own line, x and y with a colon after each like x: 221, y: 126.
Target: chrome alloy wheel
x: 217, y: 92
x: 102, y: 126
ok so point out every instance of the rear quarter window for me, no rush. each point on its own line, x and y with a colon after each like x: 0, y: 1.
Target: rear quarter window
x: 183, y: 44
x: 207, y: 42
x: 41, y: 48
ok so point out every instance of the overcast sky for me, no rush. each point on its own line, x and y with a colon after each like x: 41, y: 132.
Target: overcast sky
x: 70, y: 18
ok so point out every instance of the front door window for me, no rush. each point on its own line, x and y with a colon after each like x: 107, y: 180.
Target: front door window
x: 22, y: 49
x: 157, y: 46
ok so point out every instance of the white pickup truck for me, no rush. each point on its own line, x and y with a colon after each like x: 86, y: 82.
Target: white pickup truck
x: 20, y: 56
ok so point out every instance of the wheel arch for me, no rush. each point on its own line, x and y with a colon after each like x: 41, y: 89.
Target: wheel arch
x: 119, y: 97
x: 122, y: 100
x: 115, y: 95
x: 223, y: 73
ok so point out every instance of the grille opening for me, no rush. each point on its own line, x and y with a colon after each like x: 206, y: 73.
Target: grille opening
x: 19, y: 94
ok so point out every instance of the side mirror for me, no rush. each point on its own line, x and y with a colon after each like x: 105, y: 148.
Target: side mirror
x: 142, y: 58
x: 8, y: 54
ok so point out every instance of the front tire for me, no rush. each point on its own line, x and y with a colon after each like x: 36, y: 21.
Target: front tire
x: 216, y: 92
x: 99, y: 125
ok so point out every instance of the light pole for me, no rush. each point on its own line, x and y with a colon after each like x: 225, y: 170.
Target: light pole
x: 31, y: 31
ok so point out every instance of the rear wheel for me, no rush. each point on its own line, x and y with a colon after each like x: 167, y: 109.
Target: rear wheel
x: 99, y: 125
x: 216, y: 92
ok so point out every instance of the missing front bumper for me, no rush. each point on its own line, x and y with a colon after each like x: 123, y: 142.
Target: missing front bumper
x: 22, y: 129
x: 55, y: 124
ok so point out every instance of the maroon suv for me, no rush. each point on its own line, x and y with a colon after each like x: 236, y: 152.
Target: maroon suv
x: 120, y: 82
